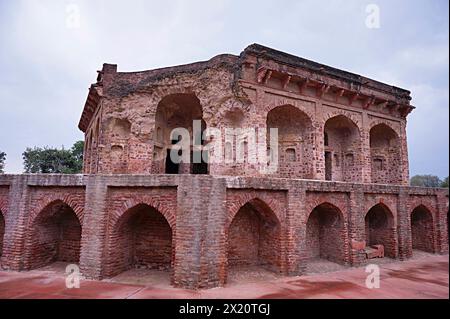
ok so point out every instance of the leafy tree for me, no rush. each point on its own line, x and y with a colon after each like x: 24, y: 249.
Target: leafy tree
x: 77, y: 152
x: 52, y: 160
x: 444, y: 183
x: 2, y: 161
x: 425, y: 181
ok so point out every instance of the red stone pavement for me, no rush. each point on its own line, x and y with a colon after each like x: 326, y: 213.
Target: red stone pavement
x: 424, y: 278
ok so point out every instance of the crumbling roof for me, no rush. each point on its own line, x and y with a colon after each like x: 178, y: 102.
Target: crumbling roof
x: 124, y: 83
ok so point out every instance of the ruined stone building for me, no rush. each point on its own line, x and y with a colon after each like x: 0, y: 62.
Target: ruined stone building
x: 341, y: 183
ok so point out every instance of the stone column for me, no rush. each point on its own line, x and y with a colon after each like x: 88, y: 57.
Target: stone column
x: 442, y: 222
x: 404, y: 155
x: 366, y: 160
x: 356, y: 228
x: 319, y: 152
x: 404, y: 226
x: 200, y: 252
x: 296, y: 230
x: 94, y: 227
x: 13, y: 256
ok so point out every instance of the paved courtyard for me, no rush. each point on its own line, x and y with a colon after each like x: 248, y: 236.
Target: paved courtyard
x: 425, y: 276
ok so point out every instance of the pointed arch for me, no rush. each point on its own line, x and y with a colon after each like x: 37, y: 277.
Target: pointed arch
x: 254, y: 237
x: 140, y: 235
x: 326, y: 234
x: 380, y: 229
x: 75, y: 204
x: 423, y: 234
x: 295, y: 140
x: 342, y: 150
x: 385, y: 154
x: 274, y: 205
x: 54, y: 234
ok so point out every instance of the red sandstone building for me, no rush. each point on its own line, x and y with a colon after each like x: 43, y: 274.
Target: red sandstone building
x: 341, y: 184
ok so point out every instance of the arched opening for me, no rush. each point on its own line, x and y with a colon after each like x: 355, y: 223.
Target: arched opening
x: 342, y: 144
x: 325, y: 235
x: 385, y: 155
x: 55, y: 236
x: 233, y: 138
x: 380, y: 230
x: 2, y: 231
x: 179, y: 111
x: 141, y: 240
x: 119, y: 130
x: 422, y: 229
x: 295, y: 135
x: 254, y: 241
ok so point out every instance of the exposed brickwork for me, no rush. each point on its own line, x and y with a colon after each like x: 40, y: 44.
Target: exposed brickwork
x: 154, y: 221
x: 341, y: 183
x: 422, y: 229
x: 381, y: 229
x: 55, y: 235
x: 4, y: 194
x: 254, y: 237
x: 53, y: 225
x: 328, y: 129
x: 325, y: 234
x: 2, y: 231
x: 142, y: 238
x: 140, y: 216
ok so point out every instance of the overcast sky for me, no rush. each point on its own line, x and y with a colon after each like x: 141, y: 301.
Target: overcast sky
x: 48, y: 60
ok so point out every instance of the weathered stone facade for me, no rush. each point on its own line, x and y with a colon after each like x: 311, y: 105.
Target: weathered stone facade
x: 341, y: 182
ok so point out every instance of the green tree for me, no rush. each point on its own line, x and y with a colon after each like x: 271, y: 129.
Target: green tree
x: 2, y: 161
x: 425, y: 181
x: 52, y: 160
x: 77, y: 153
x: 444, y: 183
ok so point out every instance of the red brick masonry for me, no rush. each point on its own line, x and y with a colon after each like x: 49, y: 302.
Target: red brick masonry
x: 197, y: 225
x: 341, y: 183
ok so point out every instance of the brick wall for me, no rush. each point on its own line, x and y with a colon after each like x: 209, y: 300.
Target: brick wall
x: 422, y: 229
x: 325, y: 234
x: 254, y: 238
x: 380, y: 229
x: 139, y: 232
x: 128, y: 119
x: 55, y: 235
x: 197, y: 226
x: 2, y: 231
x: 142, y: 239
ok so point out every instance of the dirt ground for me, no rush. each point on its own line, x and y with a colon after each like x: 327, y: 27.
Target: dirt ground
x: 424, y: 276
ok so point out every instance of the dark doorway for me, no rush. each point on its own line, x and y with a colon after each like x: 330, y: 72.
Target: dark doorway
x: 171, y: 167
x: 328, y: 166
x: 199, y: 166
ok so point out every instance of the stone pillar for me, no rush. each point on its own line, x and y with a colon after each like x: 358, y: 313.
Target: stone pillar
x: 94, y: 227
x: 404, y: 226
x: 366, y: 159
x: 200, y: 252
x: 442, y: 222
x: 319, y: 152
x: 13, y: 256
x: 404, y: 155
x: 356, y: 228
x: 296, y: 231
